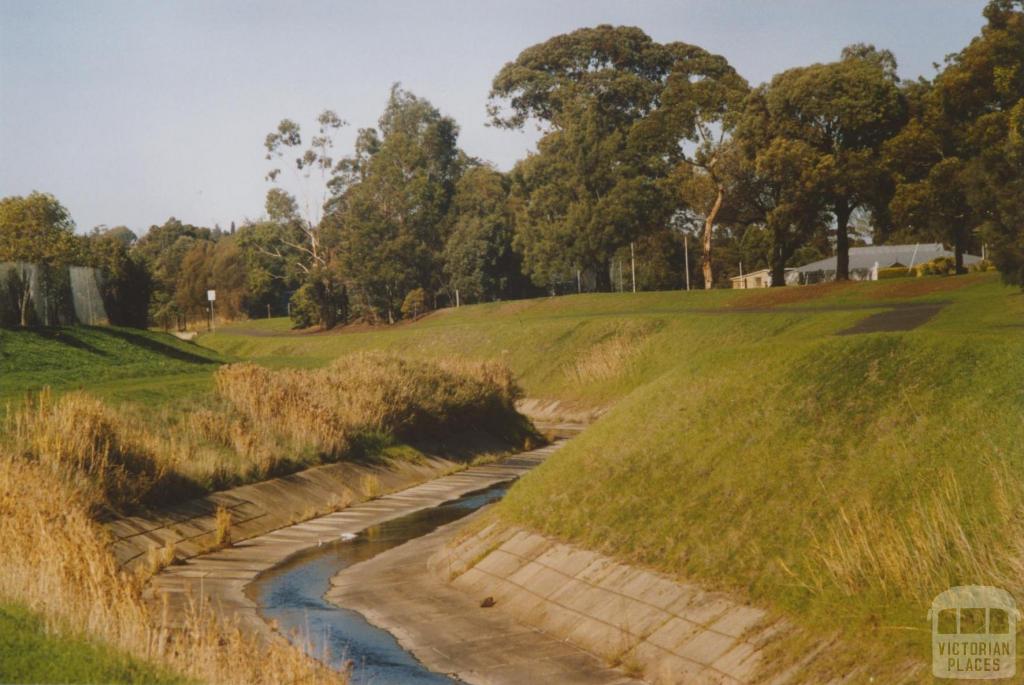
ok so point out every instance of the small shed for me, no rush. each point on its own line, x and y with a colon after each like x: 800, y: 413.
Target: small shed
x: 762, y: 278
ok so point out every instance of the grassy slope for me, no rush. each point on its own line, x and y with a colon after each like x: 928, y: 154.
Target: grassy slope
x: 114, y: 363
x: 841, y: 479
x: 31, y: 654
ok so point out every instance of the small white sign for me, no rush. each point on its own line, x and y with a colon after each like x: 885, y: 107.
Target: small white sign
x: 211, y: 295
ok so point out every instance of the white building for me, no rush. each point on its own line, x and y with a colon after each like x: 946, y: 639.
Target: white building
x: 865, y: 261
x: 762, y: 278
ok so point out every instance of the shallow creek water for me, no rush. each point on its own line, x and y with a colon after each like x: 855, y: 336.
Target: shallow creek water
x: 292, y: 594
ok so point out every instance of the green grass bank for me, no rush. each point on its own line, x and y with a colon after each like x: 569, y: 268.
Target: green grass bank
x: 843, y: 480
x: 30, y: 653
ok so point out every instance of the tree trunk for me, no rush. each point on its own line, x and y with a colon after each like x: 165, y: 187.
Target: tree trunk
x: 709, y: 225
x: 779, y: 268
x: 603, y: 277
x: 842, y: 211
x: 26, y: 298
x: 958, y: 255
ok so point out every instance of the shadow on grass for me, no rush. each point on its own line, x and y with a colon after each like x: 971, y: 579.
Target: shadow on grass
x: 59, y: 335
x: 156, y: 346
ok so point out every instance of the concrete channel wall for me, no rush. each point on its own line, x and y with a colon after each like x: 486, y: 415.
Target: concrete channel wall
x: 262, y: 507
x: 654, y: 627
x: 223, y: 575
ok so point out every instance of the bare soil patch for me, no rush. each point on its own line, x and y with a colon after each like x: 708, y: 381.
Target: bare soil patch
x: 899, y: 318
x: 916, y: 287
x: 773, y: 297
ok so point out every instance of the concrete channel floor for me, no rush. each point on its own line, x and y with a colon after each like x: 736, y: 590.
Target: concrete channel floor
x: 450, y: 632
x: 222, y: 576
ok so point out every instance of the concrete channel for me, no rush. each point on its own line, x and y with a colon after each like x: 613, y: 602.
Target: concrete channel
x: 224, y: 576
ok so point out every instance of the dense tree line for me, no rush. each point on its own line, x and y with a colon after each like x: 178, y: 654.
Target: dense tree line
x: 648, y: 152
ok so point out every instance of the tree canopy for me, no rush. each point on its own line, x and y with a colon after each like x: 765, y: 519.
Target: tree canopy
x: 648, y: 151
x: 617, y: 109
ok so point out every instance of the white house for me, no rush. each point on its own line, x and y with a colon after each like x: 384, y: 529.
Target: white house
x: 762, y: 278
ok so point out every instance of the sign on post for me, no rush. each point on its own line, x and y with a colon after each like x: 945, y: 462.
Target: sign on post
x: 211, y: 295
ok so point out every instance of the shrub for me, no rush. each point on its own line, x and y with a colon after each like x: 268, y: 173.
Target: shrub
x: 304, y: 310
x: 940, y: 266
x: 415, y: 304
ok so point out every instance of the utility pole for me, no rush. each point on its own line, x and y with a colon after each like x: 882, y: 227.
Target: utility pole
x: 268, y: 306
x: 743, y: 283
x: 686, y: 251
x: 632, y: 264
x: 457, y: 303
x: 579, y: 282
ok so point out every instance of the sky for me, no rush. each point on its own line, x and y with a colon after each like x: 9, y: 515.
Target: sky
x: 132, y: 112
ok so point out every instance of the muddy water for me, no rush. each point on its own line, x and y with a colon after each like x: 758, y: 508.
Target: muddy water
x: 292, y: 595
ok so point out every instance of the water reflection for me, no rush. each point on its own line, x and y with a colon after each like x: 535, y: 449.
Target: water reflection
x: 292, y: 594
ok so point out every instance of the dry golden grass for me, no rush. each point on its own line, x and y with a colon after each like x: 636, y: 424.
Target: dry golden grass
x: 79, y: 435
x: 65, y: 460
x: 929, y: 548
x: 56, y: 561
x: 222, y: 529
x: 370, y: 485
x: 331, y: 410
x: 611, y: 357
x: 261, y: 424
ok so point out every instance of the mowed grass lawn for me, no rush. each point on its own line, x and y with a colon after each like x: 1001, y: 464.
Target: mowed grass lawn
x: 118, y: 364
x: 843, y: 480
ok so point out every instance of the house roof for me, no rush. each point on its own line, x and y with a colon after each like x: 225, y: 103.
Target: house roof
x: 887, y: 255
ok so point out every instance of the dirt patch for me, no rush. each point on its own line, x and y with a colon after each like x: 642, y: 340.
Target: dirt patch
x: 916, y: 287
x: 774, y: 297
x: 899, y: 318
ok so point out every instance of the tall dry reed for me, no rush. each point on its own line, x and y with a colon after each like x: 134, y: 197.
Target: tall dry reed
x: 80, y: 435
x: 331, y: 408
x: 56, y: 561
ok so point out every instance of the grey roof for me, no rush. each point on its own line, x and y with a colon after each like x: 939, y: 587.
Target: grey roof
x: 887, y: 255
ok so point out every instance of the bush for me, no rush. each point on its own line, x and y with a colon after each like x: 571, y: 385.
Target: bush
x: 305, y: 311
x: 415, y: 304
x: 940, y: 266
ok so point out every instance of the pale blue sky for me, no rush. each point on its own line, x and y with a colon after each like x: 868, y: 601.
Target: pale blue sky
x: 130, y: 112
